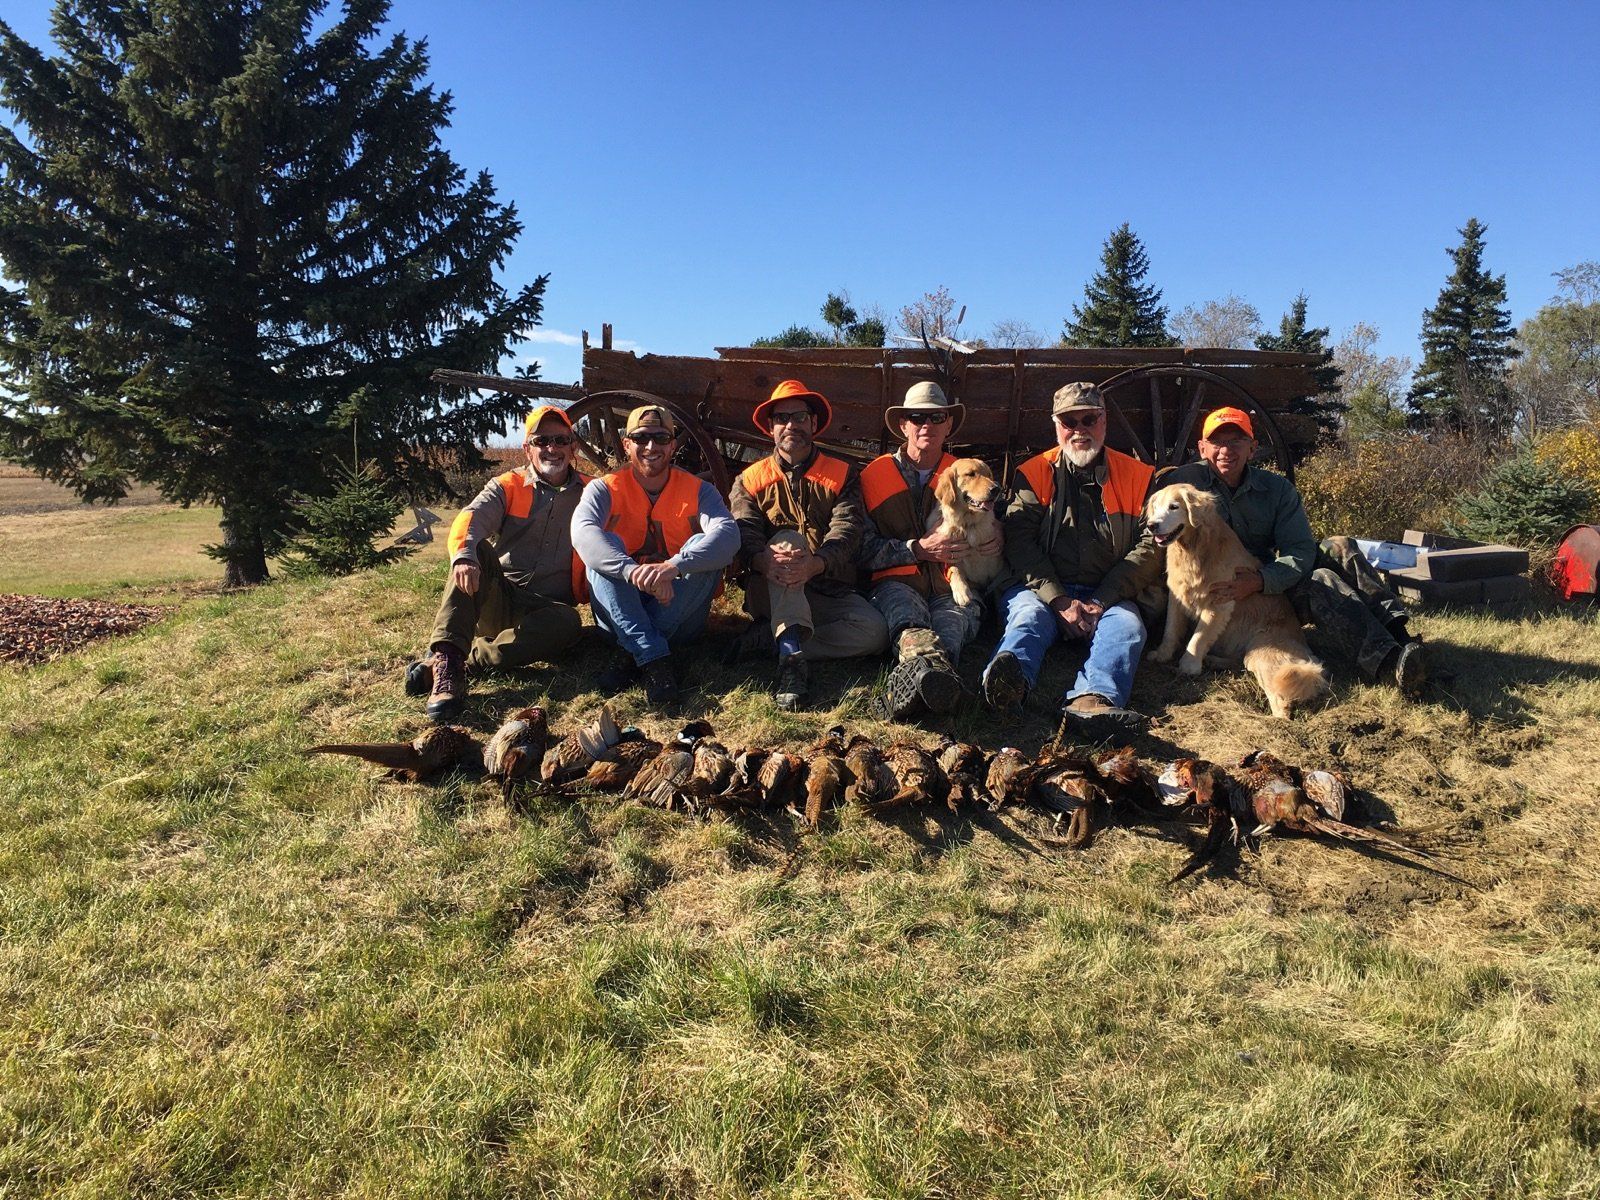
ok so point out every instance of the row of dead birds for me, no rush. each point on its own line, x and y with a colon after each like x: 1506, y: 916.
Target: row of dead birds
x: 694, y: 772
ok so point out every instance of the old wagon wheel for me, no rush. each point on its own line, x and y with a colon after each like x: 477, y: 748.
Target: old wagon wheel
x: 600, y: 417
x: 1198, y: 391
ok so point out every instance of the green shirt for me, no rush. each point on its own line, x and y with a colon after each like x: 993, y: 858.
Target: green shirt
x: 1267, y: 513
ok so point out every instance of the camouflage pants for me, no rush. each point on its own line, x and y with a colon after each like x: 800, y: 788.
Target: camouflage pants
x: 1357, y: 618
x: 903, y: 607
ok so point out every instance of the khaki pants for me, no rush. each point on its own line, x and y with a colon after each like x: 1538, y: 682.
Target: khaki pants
x: 829, y: 626
x: 500, y: 625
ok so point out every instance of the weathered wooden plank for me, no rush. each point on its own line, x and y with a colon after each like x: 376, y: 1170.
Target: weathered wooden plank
x: 536, y: 388
x: 1053, y: 355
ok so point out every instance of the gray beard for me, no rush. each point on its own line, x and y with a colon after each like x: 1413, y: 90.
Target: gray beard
x: 1081, y: 458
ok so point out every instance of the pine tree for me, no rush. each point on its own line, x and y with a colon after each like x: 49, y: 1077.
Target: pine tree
x: 1119, y: 310
x: 336, y: 531
x: 1467, y: 343
x: 1324, y: 404
x: 238, y: 238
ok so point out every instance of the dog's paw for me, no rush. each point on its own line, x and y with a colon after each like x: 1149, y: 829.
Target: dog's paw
x: 1190, y: 665
x: 1163, y: 654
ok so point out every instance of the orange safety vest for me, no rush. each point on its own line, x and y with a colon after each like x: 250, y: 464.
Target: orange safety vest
x: 653, y: 530
x: 1127, y: 480
x: 519, y: 495
x: 881, y: 482
x: 807, y: 513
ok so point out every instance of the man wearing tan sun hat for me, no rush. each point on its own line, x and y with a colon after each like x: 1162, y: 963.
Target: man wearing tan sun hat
x: 908, y: 566
x: 514, y: 580
x: 1356, y: 616
x: 800, y: 522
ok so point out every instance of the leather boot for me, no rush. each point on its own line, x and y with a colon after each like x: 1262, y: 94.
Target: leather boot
x: 449, y: 694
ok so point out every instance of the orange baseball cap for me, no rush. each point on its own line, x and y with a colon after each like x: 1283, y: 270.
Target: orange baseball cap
x: 539, y: 414
x: 1228, y: 416
x: 791, y: 389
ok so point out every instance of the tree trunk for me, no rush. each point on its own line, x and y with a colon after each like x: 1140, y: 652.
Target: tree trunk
x: 244, y: 558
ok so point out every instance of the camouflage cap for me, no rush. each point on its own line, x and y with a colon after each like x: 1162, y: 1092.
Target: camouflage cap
x: 1077, y: 395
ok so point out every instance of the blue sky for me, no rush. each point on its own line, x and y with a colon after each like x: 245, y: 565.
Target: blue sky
x: 700, y: 175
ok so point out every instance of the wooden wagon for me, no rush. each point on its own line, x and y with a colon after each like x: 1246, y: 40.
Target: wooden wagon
x: 1156, y: 399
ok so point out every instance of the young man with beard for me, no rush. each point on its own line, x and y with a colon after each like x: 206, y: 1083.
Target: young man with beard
x: 907, y: 565
x: 800, y: 521
x: 1330, y: 583
x: 1078, y: 552
x: 514, y: 581
x: 654, y: 540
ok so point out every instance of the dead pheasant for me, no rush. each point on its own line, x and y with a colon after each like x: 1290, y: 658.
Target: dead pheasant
x: 1127, y: 782
x: 825, y: 776
x: 1069, y: 785
x: 574, y: 754
x: 622, y: 762
x: 871, y: 780
x: 1193, y: 781
x: 963, y: 765
x: 661, y: 780
x: 1010, y: 777
x: 713, y: 770
x: 917, y: 777
x: 516, y: 749
x: 434, y: 749
x: 1275, y: 794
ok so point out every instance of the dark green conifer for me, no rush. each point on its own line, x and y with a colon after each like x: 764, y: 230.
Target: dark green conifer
x: 1118, y: 308
x: 1293, y: 337
x: 1467, y: 343
x: 237, y: 237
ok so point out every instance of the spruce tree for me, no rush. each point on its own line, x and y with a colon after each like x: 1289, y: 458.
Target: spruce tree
x: 238, y: 238
x: 1294, y: 337
x: 1118, y: 308
x: 1467, y: 343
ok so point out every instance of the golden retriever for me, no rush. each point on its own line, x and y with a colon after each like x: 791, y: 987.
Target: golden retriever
x: 966, y: 494
x: 1263, y: 630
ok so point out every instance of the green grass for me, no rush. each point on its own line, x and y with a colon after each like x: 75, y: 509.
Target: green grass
x: 230, y: 970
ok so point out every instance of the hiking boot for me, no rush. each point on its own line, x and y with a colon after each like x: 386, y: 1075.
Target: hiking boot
x: 660, y: 684
x: 1410, y: 674
x: 793, y: 690
x: 922, y: 682
x: 618, y: 677
x: 1005, y: 687
x: 1095, y: 718
x: 752, y: 642
x: 449, y: 693
x: 419, y: 677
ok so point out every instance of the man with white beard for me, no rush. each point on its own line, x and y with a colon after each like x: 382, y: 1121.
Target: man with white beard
x: 1077, y: 553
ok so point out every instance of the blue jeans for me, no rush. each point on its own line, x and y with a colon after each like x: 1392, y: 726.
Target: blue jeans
x: 641, y: 624
x: 1114, y: 649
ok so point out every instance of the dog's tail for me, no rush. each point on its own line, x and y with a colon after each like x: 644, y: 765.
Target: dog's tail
x: 1286, y: 673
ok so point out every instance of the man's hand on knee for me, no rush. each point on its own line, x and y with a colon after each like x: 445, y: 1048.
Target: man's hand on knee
x: 1078, y: 618
x: 465, y: 576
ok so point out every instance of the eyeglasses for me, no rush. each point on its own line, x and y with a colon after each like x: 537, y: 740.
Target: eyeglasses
x: 791, y: 418
x: 651, y: 438
x: 560, y: 439
x: 1086, y: 421
x: 928, y: 418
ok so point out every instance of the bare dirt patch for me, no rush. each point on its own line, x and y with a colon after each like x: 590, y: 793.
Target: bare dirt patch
x: 35, y: 629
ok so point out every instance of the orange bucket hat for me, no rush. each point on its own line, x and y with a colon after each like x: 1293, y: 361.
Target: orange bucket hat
x: 793, y: 389
x: 539, y: 414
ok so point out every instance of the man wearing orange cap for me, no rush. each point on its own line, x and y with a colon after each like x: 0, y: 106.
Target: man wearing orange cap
x: 514, y: 580
x: 654, y: 540
x: 801, y: 521
x: 1331, y: 582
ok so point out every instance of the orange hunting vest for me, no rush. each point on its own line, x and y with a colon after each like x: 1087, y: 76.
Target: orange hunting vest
x: 653, y: 530
x: 519, y: 495
x: 1127, y: 480
x: 894, y: 511
x: 808, y: 512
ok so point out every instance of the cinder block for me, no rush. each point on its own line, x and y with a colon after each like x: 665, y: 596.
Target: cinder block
x: 1506, y: 589
x: 1436, y: 541
x: 1477, y: 562
x: 1414, y: 586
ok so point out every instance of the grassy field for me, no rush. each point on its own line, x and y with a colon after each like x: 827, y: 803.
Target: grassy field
x: 230, y: 970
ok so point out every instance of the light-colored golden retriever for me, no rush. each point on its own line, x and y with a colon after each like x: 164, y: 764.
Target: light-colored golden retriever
x: 966, y: 494
x: 1262, y: 630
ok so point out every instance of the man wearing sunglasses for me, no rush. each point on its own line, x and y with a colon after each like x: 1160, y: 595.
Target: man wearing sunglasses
x: 1330, y: 583
x: 1079, y: 553
x: 514, y: 580
x: 800, y: 523
x: 654, y: 540
x: 907, y: 565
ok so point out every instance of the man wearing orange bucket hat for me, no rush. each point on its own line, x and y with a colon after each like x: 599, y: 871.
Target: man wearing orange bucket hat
x: 1356, y: 615
x: 801, y: 521
x: 514, y: 580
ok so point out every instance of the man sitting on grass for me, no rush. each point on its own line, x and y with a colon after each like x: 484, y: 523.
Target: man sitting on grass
x: 514, y: 580
x: 654, y: 540
x: 1331, y: 584
x: 1078, y: 552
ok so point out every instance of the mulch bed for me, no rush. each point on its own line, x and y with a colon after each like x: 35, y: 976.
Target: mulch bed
x: 34, y: 629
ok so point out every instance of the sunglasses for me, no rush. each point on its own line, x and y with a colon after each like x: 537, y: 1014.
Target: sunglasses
x: 560, y: 439
x: 928, y: 418
x: 1087, y: 421
x: 653, y: 438
x: 791, y: 418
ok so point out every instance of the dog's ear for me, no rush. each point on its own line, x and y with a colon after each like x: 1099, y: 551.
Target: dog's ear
x: 944, y: 492
x: 1185, y: 497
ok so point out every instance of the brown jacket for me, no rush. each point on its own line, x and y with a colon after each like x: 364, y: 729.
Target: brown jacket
x: 821, y: 498
x: 897, y: 515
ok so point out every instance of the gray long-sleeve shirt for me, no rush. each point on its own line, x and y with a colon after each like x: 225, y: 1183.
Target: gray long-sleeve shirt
x: 1267, y: 513
x: 711, y: 548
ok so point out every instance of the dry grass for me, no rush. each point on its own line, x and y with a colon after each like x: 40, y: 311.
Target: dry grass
x: 229, y: 970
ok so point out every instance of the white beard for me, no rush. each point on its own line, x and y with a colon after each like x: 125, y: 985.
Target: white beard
x: 1081, y: 458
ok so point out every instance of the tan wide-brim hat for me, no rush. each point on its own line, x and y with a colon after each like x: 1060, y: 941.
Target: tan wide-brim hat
x: 924, y: 398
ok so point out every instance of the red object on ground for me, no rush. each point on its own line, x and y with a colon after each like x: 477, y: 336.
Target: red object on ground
x: 1577, y: 562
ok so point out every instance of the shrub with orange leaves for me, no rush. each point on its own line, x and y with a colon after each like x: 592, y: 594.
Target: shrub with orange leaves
x: 1380, y: 487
